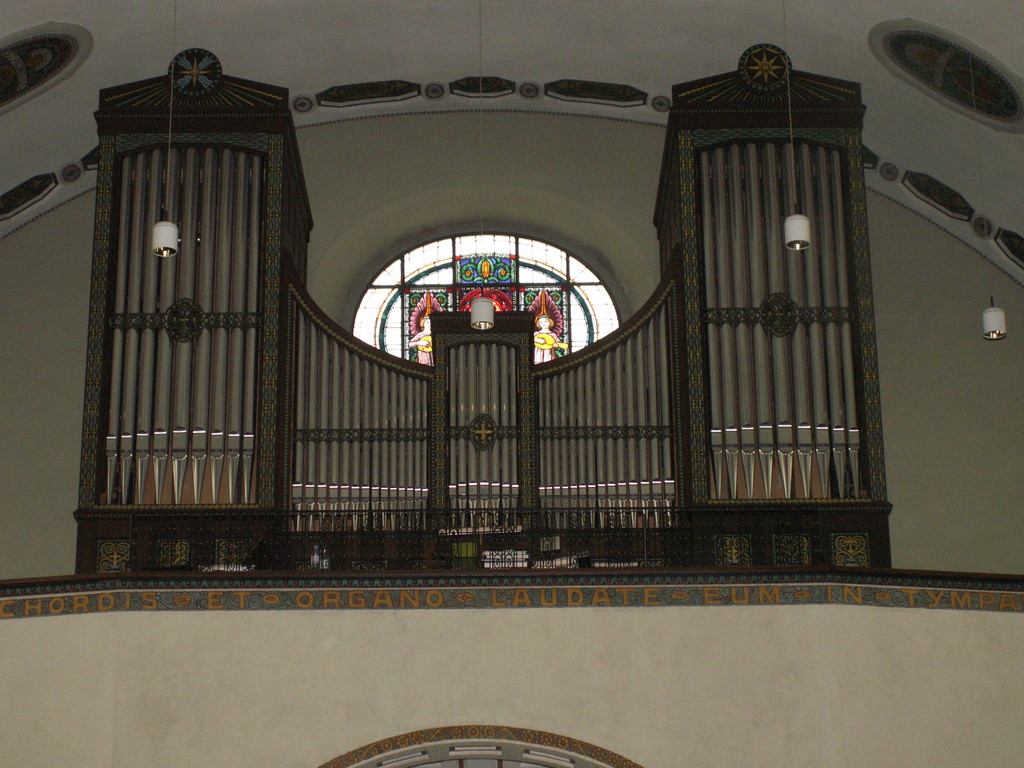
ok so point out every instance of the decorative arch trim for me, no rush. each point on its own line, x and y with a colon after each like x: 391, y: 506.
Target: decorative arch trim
x: 480, y: 734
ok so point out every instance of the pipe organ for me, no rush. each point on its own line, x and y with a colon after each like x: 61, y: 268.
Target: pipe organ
x: 186, y: 360
x: 605, y: 422
x: 183, y: 332
x: 231, y: 424
x: 360, y: 438
x: 783, y: 443
x: 781, y: 379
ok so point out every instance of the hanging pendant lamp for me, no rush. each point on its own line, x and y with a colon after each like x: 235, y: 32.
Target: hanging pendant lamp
x: 481, y: 309
x: 797, y: 229
x: 993, y: 322
x: 164, y: 239
x: 481, y: 313
x: 993, y: 319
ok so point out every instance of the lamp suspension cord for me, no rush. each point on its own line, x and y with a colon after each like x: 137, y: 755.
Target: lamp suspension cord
x: 789, y: 104
x: 170, y: 107
x: 480, y: 110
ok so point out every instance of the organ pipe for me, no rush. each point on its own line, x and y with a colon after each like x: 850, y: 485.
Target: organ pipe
x: 782, y: 397
x: 182, y: 397
x: 606, y: 430
x: 359, y: 441
x: 182, y: 420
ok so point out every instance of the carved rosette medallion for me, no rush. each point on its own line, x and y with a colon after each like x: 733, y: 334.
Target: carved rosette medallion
x: 779, y: 315
x: 184, y: 320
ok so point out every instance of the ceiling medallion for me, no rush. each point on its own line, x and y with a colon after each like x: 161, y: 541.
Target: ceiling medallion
x: 303, y: 103
x: 38, y: 58
x: 71, y: 173
x: 529, y: 90
x: 764, y: 67
x: 195, y: 72
x: 889, y: 171
x: 983, y: 226
x: 952, y: 70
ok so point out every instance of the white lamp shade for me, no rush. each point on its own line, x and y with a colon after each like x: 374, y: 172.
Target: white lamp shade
x: 481, y: 313
x: 993, y: 323
x: 798, y: 231
x: 165, y: 238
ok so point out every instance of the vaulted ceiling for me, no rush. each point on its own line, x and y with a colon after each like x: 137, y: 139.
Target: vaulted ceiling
x: 310, y: 46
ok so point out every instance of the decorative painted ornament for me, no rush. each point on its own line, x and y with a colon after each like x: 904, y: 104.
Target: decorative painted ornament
x: 196, y: 72
x: 764, y: 67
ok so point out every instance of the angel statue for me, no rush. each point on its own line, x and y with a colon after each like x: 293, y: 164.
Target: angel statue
x: 419, y: 327
x: 547, y: 319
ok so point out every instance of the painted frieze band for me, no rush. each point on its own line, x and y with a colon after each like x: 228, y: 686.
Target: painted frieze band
x: 425, y: 593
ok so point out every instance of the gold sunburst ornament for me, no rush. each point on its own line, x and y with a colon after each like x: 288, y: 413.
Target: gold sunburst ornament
x: 764, y: 67
x: 195, y: 72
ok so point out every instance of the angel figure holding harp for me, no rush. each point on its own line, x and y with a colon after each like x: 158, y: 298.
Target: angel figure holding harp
x: 548, y: 324
x: 419, y: 327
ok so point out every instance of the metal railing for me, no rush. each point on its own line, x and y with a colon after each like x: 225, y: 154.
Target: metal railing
x: 330, y: 540
x: 410, y: 540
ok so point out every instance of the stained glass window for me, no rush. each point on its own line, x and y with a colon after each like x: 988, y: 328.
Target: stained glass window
x: 570, y: 305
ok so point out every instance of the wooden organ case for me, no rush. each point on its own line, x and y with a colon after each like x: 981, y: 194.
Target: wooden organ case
x: 783, y: 425
x: 231, y: 425
x: 184, y: 443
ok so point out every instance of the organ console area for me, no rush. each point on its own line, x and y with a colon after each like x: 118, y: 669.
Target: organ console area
x: 230, y: 424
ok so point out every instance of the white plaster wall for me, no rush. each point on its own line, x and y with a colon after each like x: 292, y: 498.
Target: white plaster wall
x: 952, y: 404
x: 800, y: 686
x: 44, y: 309
x: 382, y: 185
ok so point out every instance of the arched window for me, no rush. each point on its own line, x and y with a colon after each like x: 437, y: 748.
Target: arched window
x: 516, y: 273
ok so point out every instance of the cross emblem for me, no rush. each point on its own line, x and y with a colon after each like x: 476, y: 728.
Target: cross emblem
x: 483, y: 431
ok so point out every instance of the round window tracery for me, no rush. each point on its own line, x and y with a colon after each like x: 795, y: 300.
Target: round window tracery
x: 571, y: 307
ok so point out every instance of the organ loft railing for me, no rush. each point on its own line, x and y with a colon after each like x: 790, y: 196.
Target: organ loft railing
x: 231, y: 425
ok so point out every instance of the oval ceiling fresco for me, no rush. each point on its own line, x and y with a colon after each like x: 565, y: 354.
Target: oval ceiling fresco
x: 950, y: 70
x: 38, y: 58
